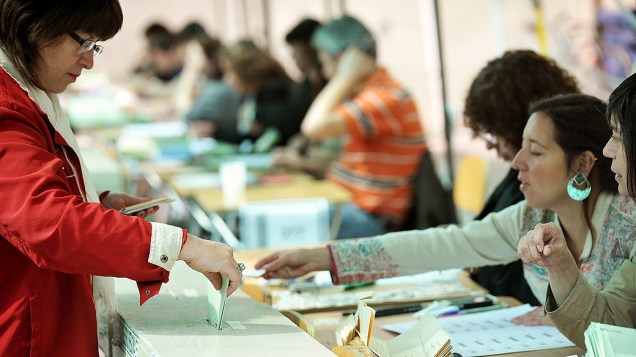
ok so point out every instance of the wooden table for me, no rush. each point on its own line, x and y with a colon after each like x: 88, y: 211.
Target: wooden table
x: 210, y: 211
x: 299, y: 186
x: 291, y: 185
x: 326, y: 322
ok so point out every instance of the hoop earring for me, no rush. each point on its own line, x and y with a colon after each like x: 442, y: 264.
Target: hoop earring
x: 576, y: 193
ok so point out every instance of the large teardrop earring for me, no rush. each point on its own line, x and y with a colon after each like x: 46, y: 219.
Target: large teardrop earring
x: 576, y: 193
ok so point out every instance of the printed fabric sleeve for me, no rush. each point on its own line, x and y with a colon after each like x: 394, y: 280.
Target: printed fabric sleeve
x: 490, y: 241
x: 615, y: 305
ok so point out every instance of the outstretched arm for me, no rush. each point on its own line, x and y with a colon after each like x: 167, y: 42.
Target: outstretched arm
x: 294, y: 263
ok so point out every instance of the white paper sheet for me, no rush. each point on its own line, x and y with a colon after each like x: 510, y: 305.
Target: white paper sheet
x: 491, y: 333
x: 216, y: 302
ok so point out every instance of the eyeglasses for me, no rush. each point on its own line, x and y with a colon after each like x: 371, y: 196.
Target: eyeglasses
x: 86, y: 45
x: 491, y: 140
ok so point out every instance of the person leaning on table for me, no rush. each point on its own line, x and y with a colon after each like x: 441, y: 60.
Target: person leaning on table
x: 496, y: 109
x: 562, y: 142
x: 56, y: 233
x: 571, y: 301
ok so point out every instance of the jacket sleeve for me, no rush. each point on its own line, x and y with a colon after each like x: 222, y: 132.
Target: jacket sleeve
x: 615, y: 305
x: 51, y: 225
x: 490, y: 241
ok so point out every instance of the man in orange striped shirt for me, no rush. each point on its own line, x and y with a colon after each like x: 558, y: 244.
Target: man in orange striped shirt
x: 377, y: 119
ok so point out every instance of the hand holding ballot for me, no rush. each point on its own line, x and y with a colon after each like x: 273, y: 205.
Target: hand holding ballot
x: 293, y: 263
x: 212, y: 259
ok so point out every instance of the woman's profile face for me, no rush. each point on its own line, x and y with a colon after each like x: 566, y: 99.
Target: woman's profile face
x: 59, y: 65
x: 543, y: 170
x: 615, y: 150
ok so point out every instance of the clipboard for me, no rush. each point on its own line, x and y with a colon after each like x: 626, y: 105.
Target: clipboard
x: 145, y: 205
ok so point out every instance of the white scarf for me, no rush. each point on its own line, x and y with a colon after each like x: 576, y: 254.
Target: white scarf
x: 49, y: 103
x: 103, y: 287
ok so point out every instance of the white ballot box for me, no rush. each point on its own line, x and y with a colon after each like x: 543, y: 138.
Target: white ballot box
x: 175, y: 323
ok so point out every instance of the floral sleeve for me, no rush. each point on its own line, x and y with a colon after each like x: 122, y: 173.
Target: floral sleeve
x: 361, y: 260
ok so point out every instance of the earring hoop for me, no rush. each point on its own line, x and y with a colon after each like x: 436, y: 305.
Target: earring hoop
x: 576, y: 193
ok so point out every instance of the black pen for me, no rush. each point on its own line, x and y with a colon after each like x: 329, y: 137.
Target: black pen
x: 391, y: 310
x: 397, y: 310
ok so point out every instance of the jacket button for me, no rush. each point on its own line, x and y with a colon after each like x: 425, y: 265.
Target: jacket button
x: 164, y: 258
x: 147, y: 291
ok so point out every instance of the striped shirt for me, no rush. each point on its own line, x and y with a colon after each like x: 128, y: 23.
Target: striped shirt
x: 382, y: 151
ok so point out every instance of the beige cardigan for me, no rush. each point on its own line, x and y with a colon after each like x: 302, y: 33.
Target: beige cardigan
x: 615, y: 305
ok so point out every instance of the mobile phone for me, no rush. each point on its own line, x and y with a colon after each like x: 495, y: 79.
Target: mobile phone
x: 145, y: 205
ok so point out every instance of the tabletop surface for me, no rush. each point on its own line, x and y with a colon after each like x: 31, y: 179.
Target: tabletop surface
x: 272, y: 186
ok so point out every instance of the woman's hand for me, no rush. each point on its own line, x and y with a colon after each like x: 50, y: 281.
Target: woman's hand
x: 212, y: 259
x: 545, y: 246
x: 355, y: 65
x: 201, y: 129
x: 533, y: 318
x: 118, y: 201
x: 294, y: 263
x: 286, y: 157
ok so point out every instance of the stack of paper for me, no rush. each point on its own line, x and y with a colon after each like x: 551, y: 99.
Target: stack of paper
x: 427, y: 338
x: 354, y: 337
x: 610, y: 341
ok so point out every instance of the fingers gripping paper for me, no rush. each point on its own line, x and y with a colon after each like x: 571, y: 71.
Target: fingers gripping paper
x: 216, y: 303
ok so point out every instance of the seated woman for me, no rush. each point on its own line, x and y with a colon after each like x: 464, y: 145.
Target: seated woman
x: 562, y: 143
x: 496, y: 109
x: 573, y: 301
x: 266, y: 89
x: 213, y: 114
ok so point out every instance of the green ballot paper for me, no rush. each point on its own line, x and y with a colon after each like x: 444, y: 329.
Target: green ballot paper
x: 216, y: 303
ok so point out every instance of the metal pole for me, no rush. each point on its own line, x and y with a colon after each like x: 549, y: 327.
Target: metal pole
x: 447, y: 118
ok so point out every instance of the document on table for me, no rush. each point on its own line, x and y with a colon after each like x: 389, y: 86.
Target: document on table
x: 490, y: 333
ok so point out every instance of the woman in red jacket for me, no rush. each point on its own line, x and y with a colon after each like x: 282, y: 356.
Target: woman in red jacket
x: 56, y: 233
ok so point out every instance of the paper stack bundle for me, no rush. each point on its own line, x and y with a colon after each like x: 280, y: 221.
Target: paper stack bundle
x: 610, y: 341
x: 354, y: 337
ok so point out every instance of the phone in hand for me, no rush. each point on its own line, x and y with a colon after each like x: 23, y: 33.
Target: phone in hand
x: 132, y: 209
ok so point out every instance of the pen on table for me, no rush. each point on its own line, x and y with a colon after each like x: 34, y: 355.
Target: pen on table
x: 463, y: 311
x: 391, y: 310
x: 357, y: 285
x: 482, y: 309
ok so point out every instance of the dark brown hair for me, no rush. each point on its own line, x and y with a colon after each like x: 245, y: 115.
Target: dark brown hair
x: 25, y: 22
x: 579, y: 126
x: 250, y: 63
x: 498, y: 99
x: 621, y: 110
x: 212, y: 48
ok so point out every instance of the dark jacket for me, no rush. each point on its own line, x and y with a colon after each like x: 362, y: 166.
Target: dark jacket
x: 505, y: 279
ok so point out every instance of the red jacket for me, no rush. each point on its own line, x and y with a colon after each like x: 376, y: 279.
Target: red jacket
x: 52, y: 241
